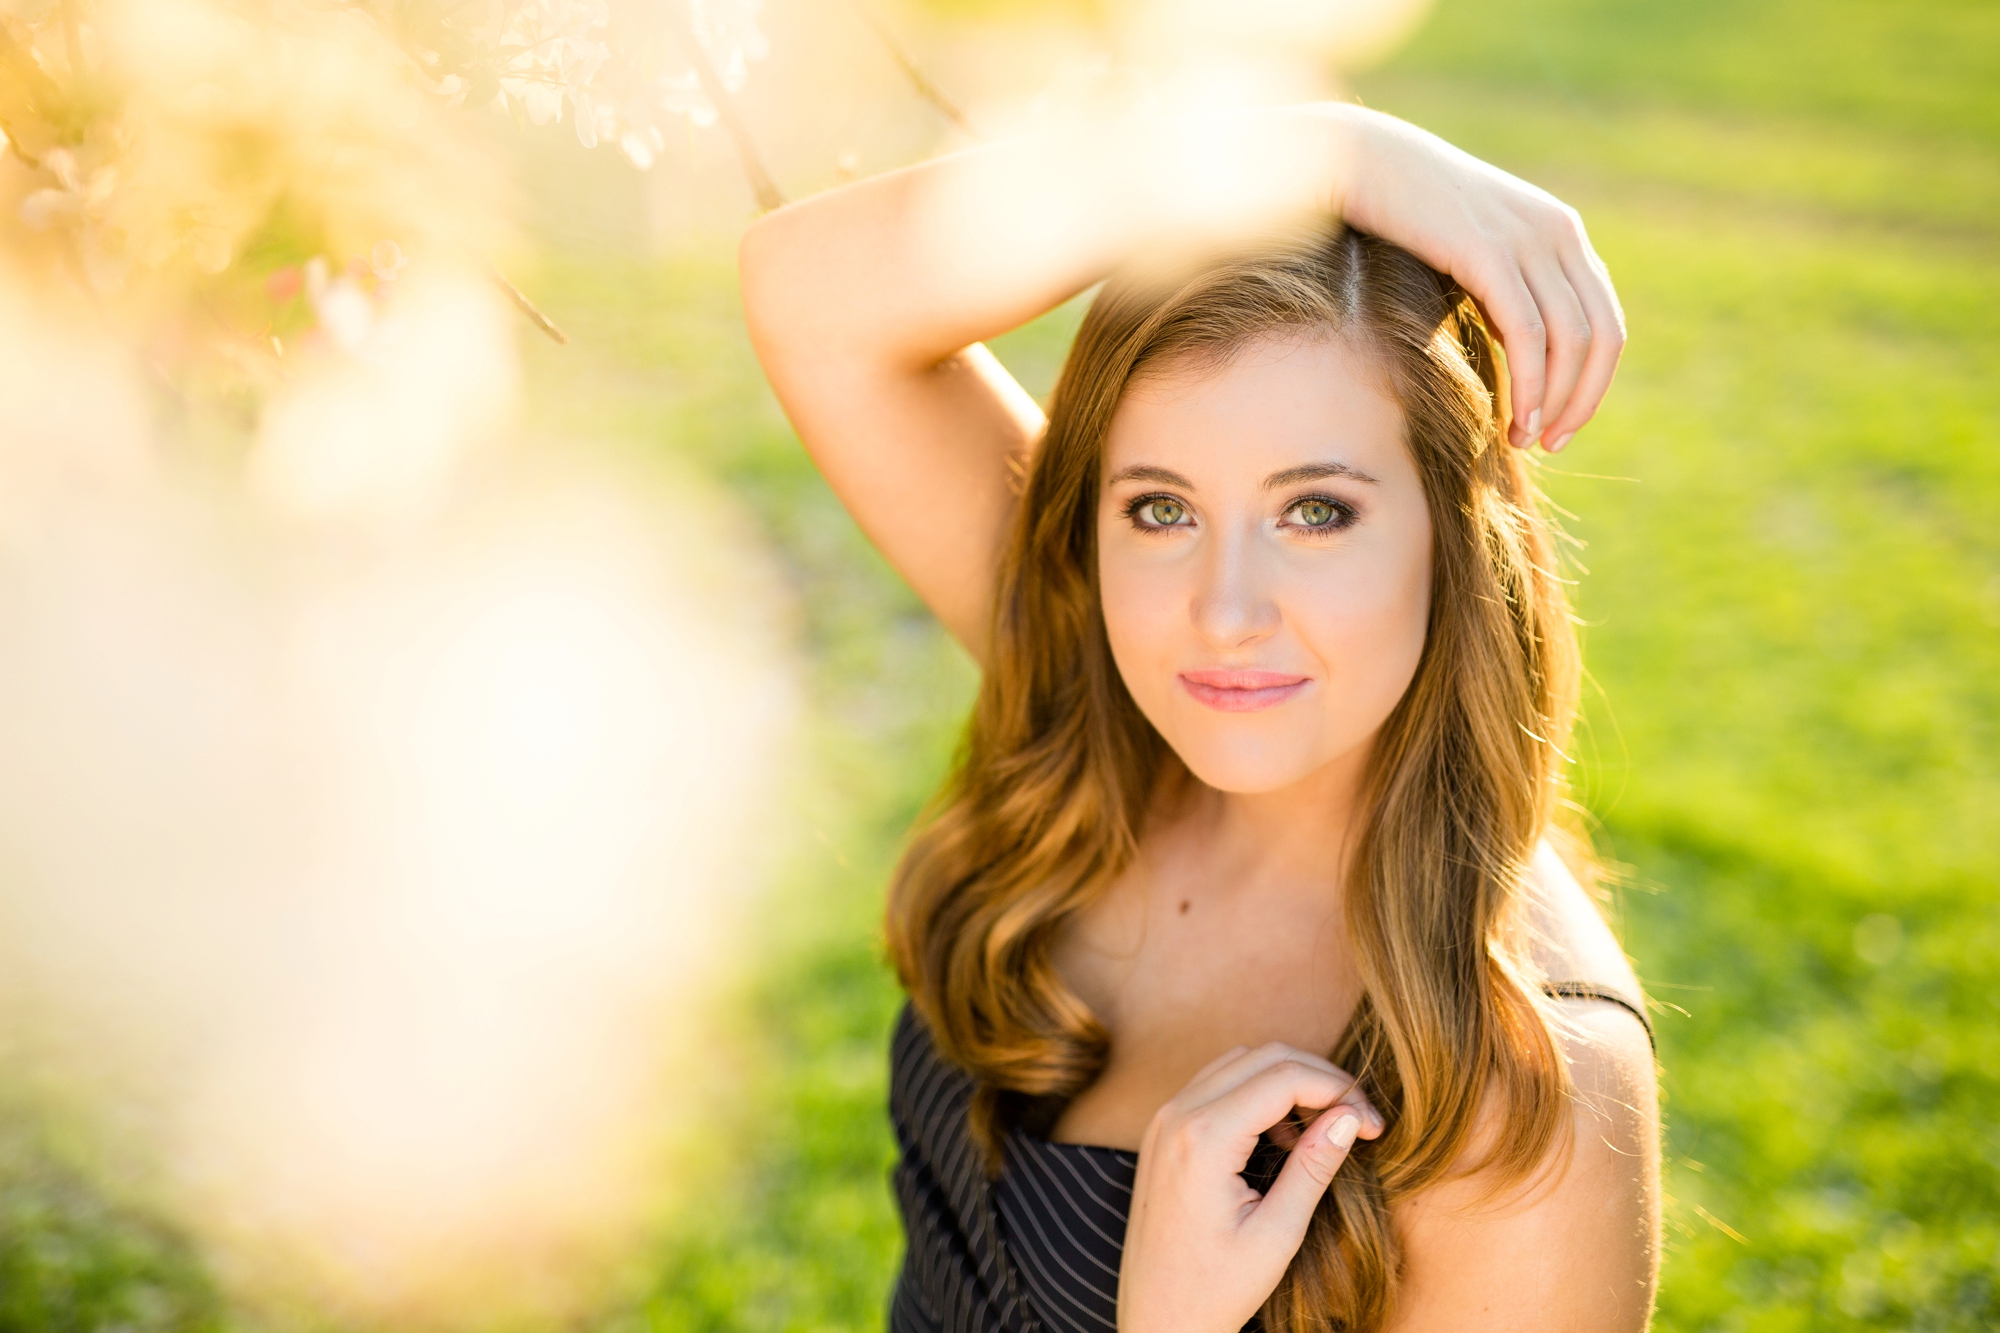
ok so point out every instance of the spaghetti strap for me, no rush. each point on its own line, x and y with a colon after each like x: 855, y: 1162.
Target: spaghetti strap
x: 1586, y: 990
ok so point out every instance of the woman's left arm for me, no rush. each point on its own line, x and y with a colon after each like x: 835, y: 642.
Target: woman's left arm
x: 1575, y: 1248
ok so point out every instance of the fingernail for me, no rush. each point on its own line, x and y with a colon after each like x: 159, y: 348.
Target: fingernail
x: 1534, y: 423
x: 1344, y: 1130
x: 1555, y: 446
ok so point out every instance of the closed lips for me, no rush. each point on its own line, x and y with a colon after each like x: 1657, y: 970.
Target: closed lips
x: 1242, y: 691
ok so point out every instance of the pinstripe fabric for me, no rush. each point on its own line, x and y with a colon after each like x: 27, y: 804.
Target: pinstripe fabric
x: 1037, y: 1250
x: 955, y: 1278
x: 1063, y: 1207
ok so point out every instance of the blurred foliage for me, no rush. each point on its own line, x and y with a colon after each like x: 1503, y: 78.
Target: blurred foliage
x: 1793, y: 598
x: 73, y: 1260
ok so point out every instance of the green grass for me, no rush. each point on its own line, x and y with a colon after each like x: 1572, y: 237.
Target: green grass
x: 1791, y: 510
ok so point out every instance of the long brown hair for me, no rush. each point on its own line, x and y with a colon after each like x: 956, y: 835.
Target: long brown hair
x: 1058, y: 767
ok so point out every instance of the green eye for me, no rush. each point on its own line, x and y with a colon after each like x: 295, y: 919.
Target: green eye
x: 1314, y: 513
x: 1164, y: 513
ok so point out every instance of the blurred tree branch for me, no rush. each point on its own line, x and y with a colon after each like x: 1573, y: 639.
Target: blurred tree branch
x: 926, y: 89
x: 525, y: 306
x: 761, y: 185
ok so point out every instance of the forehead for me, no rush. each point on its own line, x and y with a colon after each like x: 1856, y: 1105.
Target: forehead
x: 1275, y: 404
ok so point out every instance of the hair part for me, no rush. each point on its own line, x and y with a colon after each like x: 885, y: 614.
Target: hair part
x: 1049, y: 794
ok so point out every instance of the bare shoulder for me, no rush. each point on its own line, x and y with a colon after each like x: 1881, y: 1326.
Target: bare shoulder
x: 1575, y: 1245
x: 1567, y: 932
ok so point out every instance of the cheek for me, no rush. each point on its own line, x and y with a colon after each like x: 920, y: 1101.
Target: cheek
x: 1145, y: 613
x: 1368, y: 627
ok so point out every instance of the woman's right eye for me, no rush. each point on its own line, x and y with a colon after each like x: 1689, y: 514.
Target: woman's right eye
x: 1158, y: 511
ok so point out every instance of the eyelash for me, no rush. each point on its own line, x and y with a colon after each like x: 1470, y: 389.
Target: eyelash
x: 1132, y: 507
x: 1344, y: 513
x: 1343, y: 518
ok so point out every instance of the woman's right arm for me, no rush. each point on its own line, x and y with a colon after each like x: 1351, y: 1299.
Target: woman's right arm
x: 868, y: 305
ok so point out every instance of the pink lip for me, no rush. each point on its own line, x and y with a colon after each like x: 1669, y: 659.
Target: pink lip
x: 1242, y: 691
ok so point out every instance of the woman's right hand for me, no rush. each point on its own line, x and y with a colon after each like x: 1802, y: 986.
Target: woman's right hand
x: 1203, y: 1250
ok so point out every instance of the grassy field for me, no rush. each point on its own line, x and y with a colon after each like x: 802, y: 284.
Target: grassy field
x: 1791, y: 518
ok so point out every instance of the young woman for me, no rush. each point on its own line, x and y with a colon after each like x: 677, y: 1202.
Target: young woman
x: 1246, y: 985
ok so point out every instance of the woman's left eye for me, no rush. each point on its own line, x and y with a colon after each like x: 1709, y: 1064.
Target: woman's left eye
x: 1320, y: 513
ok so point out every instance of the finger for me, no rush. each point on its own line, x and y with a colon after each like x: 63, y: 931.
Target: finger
x: 1229, y: 1071
x: 1569, y: 336
x: 1229, y: 1125
x: 1355, y: 1099
x: 1287, y: 1132
x: 1288, y: 1206
x: 1226, y: 1074
x: 1607, y: 322
x: 1511, y: 312
x: 1373, y: 1123
x: 1223, y: 1076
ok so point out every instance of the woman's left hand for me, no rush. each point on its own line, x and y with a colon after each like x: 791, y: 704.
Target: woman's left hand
x: 1521, y: 252
x: 1203, y: 1250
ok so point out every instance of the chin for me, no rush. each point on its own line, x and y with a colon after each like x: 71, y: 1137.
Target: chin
x: 1246, y: 770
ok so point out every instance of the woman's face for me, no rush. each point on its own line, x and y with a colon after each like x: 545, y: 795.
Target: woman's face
x: 1264, y: 550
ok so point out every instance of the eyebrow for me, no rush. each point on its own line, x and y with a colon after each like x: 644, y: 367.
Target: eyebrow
x: 1291, y: 476
x: 1147, y: 472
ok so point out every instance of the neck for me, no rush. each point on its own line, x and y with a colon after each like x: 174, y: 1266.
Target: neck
x: 1298, y: 836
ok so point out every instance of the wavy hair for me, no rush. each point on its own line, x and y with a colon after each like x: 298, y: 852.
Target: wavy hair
x: 1057, y: 769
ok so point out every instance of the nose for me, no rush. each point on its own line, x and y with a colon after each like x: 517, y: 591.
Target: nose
x: 1233, y: 605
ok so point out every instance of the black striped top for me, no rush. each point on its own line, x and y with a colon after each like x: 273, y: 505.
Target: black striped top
x: 1037, y: 1250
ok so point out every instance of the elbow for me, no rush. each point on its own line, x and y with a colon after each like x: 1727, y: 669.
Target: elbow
x: 775, y: 278
x: 784, y: 302
x: 792, y: 304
